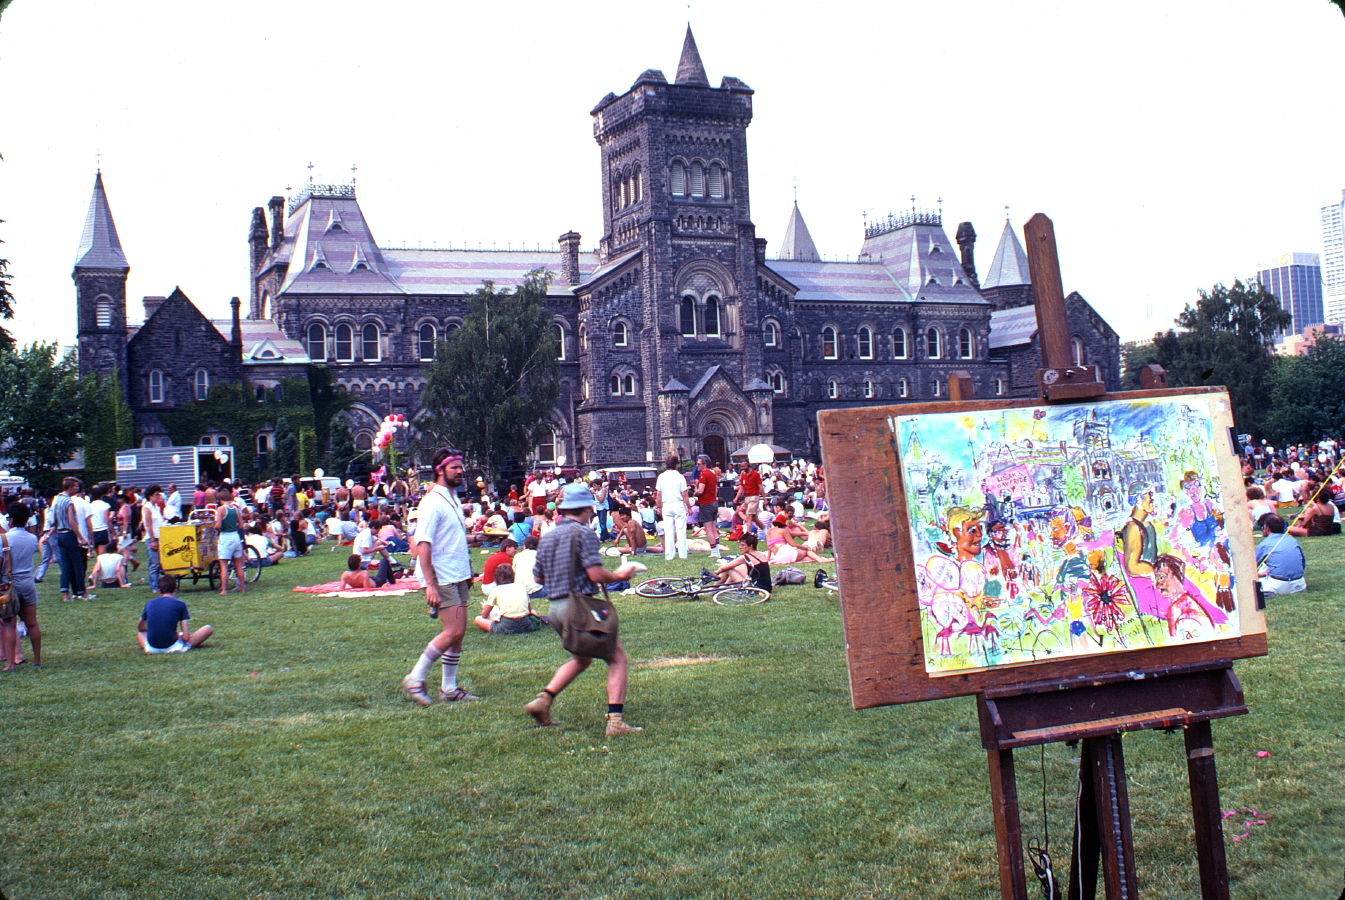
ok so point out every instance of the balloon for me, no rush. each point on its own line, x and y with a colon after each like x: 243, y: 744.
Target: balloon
x: 318, y: 473
x: 177, y: 458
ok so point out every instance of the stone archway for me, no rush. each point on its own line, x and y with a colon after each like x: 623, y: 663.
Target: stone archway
x: 715, y: 447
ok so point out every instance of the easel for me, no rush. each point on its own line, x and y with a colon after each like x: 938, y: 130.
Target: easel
x: 1097, y: 711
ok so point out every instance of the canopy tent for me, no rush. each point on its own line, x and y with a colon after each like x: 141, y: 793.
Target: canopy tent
x: 775, y: 451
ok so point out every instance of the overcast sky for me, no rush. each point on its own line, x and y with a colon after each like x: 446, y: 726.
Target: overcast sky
x: 1175, y: 145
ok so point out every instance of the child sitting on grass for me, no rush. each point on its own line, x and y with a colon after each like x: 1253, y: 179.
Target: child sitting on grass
x: 163, y: 623
x: 507, y: 610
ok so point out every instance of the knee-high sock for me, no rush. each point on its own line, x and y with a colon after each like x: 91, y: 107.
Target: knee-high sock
x: 450, y: 676
x: 427, y: 659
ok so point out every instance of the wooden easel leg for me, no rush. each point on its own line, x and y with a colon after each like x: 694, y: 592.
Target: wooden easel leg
x: 1106, y: 763
x: 1086, y: 850
x: 1206, y: 812
x: 1008, y: 827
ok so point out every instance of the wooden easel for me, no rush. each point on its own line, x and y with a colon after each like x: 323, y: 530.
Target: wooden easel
x: 1097, y: 711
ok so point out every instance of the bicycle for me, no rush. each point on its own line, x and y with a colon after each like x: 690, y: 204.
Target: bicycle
x: 694, y: 586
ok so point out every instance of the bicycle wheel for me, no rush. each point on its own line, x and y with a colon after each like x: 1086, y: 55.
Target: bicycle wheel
x: 659, y: 587
x: 213, y: 575
x: 252, y: 568
x: 740, y: 595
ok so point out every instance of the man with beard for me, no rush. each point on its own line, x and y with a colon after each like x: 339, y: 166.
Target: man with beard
x: 445, y: 568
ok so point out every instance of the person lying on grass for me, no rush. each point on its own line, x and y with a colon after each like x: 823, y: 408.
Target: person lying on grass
x: 356, y: 579
x: 507, y: 610
x: 163, y: 623
x: 748, y: 566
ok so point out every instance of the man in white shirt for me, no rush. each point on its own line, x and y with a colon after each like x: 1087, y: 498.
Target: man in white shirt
x: 152, y: 513
x: 445, y: 568
x: 672, y: 492
x: 172, y: 506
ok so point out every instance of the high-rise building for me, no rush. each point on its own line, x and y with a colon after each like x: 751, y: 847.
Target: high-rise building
x: 1296, y: 281
x: 1333, y: 259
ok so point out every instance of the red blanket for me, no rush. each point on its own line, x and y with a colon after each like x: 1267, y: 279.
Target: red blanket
x: 406, y: 583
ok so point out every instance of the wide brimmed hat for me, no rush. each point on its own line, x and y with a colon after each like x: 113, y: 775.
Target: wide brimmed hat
x: 575, y: 496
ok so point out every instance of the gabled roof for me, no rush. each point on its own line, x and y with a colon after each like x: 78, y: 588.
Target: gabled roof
x: 265, y: 344
x: 689, y: 68
x: 175, y: 306
x: 1010, y: 263
x: 1012, y: 327
x: 99, y: 246
x: 798, y: 243
x: 922, y: 260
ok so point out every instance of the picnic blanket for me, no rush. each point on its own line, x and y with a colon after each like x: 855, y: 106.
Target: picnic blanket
x: 398, y: 588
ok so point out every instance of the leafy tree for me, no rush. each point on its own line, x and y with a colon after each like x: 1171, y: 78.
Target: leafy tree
x: 109, y: 426
x: 493, y: 382
x: 285, y: 458
x: 6, y: 304
x: 1135, y: 355
x: 341, y: 446
x: 1227, y: 339
x: 1307, y: 393
x: 42, y: 410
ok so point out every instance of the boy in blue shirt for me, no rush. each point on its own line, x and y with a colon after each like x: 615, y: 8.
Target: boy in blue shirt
x: 163, y: 623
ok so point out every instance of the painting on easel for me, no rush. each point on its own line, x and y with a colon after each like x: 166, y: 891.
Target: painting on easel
x: 1045, y: 532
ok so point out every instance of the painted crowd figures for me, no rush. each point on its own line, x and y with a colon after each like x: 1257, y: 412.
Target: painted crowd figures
x: 1047, y: 532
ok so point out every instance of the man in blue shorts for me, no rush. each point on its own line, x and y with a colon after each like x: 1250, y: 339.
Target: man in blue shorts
x: 163, y: 623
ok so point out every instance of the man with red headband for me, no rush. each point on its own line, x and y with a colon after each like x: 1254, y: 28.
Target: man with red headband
x: 445, y: 568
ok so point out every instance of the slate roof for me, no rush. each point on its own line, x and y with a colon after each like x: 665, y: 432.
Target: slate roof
x: 462, y: 271
x: 1010, y: 263
x: 99, y: 246
x: 265, y: 344
x: 1012, y: 327
x: 866, y: 282
x: 923, y: 260
x: 798, y: 243
x: 689, y: 68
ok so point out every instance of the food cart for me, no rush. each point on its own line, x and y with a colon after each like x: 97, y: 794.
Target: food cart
x: 191, y: 550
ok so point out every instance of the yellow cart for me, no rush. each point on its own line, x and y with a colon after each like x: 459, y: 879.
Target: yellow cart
x: 191, y: 550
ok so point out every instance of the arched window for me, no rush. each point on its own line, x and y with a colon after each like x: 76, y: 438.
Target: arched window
x: 202, y: 384
x: 829, y: 349
x: 864, y: 343
x: 933, y: 343
x: 345, y: 342
x: 102, y: 311
x: 868, y: 390
x: 369, y: 343
x: 900, y: 350
x: 317, y: 342
x: 903, y: 388
x: 1076, y: 348
x: 679, y: 180
x: 771, y: 333
x: 999, y: 386
x: 688, y: 315
x: 425, y: 338
x: 560, y: 341
x: 777, y: 381
x: 620, y: 334
x: 712, y: 316
x: 716, y: 182
x: 637, y: 186
x: 697, y: 180
x: 833, y: 389
x: 936, y: 387
x: 628, y: 384
x: 155, y: 386
x: 965, y: 345
x: 614, y: 385
x: 263, y: 444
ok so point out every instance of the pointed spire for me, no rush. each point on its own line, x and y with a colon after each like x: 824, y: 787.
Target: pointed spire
x: 689, y: 68
x: 798, y: 243
x: 1010, y: 263
x: 99, y: 246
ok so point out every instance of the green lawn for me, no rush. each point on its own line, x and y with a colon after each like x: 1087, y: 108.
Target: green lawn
x: 283, y: 761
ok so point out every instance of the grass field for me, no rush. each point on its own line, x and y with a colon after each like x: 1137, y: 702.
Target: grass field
x: 283, y: 761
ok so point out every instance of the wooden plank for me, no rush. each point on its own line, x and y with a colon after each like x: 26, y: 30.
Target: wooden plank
x: 1043, y: 263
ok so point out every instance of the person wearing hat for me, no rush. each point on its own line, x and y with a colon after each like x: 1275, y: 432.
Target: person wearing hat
x: 569, y: 563
x: 445, y: 568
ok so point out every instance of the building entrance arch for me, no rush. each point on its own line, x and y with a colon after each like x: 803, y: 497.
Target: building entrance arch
x: 714, y: 446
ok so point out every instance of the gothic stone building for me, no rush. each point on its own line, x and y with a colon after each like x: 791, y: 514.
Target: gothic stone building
x: 679, y: 333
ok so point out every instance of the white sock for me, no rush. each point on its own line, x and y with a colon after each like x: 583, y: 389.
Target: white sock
x: 427, y: 659
x: 450, y: 675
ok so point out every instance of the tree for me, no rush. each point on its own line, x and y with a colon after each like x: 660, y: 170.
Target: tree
x: 493, y: 382
x: 1227, y: 339
x: 108, y: 424
x: 6, y: 304
x: 285, y: 458
x: 341, y: 447
x: 1307, y: 393
x: 1135, y: 355
x: 42, y: 410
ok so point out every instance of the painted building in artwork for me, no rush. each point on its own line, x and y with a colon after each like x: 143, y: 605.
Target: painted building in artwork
x: 679, y: 333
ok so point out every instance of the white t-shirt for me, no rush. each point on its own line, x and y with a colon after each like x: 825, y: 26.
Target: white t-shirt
x: 106, y: 566
x: 524, y: 562
x: 440, y: 524
x: 1284, y: 490
x: 98, y: 511
x: 670, y: 485
x: 153, y: 520
x: 172, y: 508
x: 364, y: 544
x: 82, y: 516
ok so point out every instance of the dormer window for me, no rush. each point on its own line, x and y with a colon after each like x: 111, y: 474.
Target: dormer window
x: 334, y: 222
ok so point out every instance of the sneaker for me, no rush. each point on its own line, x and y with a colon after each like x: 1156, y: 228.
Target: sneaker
x: 540, y: 709
x: 820, y: 577
x: 416, y: 691
x: 617, y: 724
x: 455, y: 695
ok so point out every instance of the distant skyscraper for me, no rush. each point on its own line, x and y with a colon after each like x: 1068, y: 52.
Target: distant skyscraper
x: 1333, y: 259
x: 1296, y: 281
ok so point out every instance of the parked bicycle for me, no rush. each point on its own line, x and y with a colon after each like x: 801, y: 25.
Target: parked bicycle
x: 694, y: 586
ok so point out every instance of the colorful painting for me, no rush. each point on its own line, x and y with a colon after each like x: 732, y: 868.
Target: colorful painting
x: 1048, y: 532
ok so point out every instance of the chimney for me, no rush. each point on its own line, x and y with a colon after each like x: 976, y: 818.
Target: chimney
x: 569, y: 256
x: 277, y: 205
x: 236, y: 335
x: 966, y: 242
x: 761, y: 251
x: 151, y: 305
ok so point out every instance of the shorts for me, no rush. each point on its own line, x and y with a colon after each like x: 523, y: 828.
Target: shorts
x: 525, y: 625
x: 709, y: 513
x: 455, y: 594
x: 179, y: 646
x: 108, y: 582
x: 26, y: 592
x: 752, y: 505
x: 229, y: 546
x: 101, y: 537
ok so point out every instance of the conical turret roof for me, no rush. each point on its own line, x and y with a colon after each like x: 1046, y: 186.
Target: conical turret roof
x: 689, y: 68
x: 99, y: 246
x: 1010, y: 263
x: 798, y: 243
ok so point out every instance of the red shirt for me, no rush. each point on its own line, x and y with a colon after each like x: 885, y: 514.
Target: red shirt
x: 492, y: 563
x: 751, y: 483
x: 707, y: 487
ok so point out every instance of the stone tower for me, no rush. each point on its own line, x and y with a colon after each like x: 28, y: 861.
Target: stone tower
x: 675, y: 200
x: 100, y: 290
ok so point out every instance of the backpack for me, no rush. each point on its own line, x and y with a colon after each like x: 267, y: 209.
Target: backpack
x: 790, y: 575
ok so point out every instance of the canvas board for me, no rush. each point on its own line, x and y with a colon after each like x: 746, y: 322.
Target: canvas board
x: 989, y: 543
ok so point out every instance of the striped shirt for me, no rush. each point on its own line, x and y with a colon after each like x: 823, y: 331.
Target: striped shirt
x: 563, y: 555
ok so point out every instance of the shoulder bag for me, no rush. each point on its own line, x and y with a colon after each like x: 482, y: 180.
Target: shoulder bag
x: 9, y: 600
x: 590, y: 624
